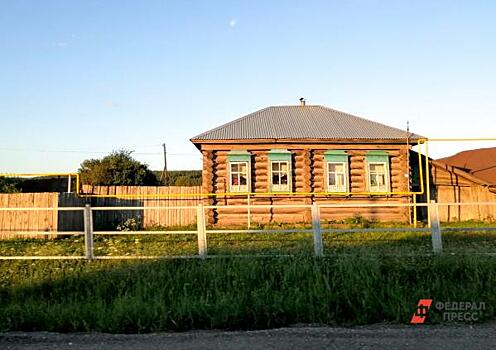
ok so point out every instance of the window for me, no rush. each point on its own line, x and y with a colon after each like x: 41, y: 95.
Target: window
x: 378, y: 177
x: 336, y: 177
x: 280, y: 170
x: 239, y: 176
x: 336, y: 170
x: 280, y: 176
x: 378, y: 171
x: 239, y: 171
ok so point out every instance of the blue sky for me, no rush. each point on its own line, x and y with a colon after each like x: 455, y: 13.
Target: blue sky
x: 79, y: 79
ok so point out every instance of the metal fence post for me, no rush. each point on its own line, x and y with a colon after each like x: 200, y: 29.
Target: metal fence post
x: 202, y: 236
x: 317, y: 235
x: 88, y: 232
x: 437, y: 243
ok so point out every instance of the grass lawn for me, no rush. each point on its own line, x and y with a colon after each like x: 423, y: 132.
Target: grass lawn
x: 364, y: 278
x: 236, y: 293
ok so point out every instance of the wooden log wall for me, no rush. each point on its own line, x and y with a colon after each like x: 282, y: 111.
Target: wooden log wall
x: 208, y: 174
x: 308, y: 175
x: 318, y: 174
x: 400, y: 214
x: 260, y: 172
x: 399, y: 170
x: 358, y: 183
x: 358, y: 173
x: 302, y: 171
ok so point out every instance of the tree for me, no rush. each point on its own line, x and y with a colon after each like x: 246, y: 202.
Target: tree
x: 116, y: 169
x: 181, y: 177
x: 9, y: 185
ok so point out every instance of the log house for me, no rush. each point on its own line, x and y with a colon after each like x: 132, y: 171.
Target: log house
x: 294, y: 154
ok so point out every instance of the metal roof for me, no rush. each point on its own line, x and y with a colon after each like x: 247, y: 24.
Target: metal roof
x: 302, y: 122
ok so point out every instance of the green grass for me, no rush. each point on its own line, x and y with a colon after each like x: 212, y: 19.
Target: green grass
x: 235, y: 293
x: 335, y: 242
x: 364, y: 278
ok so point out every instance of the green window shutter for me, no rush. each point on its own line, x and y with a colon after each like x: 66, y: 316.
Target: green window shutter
x: 337, y: 156
x: 282, y: 155
x: 238, y: 156
x: 377, y: 157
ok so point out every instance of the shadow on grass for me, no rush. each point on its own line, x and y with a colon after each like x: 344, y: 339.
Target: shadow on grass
x: 469, y: 242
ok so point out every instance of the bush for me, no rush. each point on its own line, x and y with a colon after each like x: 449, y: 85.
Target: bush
x: 358, y: 221
x: 10, y: 185
x: 116, y: 169
x: 181, y: 177
x: 131, y: 224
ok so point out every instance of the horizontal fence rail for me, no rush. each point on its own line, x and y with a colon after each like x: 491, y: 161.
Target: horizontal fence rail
x: 317, y: 231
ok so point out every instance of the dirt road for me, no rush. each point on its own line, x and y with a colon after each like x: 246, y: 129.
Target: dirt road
x: 367, y: 337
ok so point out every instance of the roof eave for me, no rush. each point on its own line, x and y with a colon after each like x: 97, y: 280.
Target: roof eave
x: 197, y: 142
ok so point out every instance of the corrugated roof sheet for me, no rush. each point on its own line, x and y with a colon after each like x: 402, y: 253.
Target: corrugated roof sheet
x: 301, y: 122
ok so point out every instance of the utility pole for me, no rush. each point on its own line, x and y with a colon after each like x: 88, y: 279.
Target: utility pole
x: 408, y: 152
x: 407, y: 174
x: 164, y: 172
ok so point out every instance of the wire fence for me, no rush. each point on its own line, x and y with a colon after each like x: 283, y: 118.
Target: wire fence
x: 317, y: 237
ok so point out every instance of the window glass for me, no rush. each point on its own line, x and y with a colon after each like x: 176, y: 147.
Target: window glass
x: 378, y: 177
x: 239, y: 176
x: 336, y: 177
x: 280, y: 176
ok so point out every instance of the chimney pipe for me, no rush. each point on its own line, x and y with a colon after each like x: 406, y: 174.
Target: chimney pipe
x: 302, y: 102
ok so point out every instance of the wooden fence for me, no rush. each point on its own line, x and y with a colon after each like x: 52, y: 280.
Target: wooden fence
x: 13, y: 223
x: 149, y: 196
x: 467, y: 194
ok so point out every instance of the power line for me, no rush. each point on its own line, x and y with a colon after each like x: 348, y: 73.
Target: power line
x: 184, y: 154
x: 92, y: 152
x: 67, y: 151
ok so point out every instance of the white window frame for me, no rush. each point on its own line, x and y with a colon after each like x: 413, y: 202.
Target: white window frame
x: 279, y: 187
x: 335, y: 188
x: 239, y: 187
x: 378, y: 189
